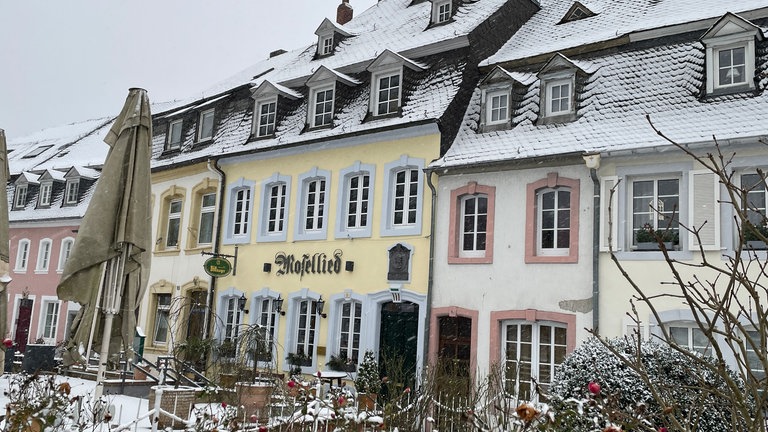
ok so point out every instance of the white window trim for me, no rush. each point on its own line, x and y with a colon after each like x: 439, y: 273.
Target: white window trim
x: 342, y: 205
x: 203, y: 115
x: 387, y: 224
x: 254, y: 317
x: 535, y: 345
x: 222, y: 299
x: 158, y: 308
x: 436, y: 11
x: 22, y: 256
x: 291, y: 334
x: 232, y: 189
x: 44, y: 256
x: 547, y: 99
x: 312, y: 105
x: 334, y: 321
x: 375, y: 77
x: 715, y: 45
x: 44, y: 302
x: 68, y: 196
x: 170, y: 217
x: 46, y: 189
x: 170, y: 145
x: 555, y: 251
x: 62, y: 255
x: 257, y: 116
x: 263, y: 234
x: 489, y: 95
x: 304, y: 179
x: 321, y: 44
x: 474, y: 253
x: 20, y: 196
x: 202, y: 211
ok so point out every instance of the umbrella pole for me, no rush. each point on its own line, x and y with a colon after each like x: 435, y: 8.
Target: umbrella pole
x: 112, y: 300
x: 95, y: 314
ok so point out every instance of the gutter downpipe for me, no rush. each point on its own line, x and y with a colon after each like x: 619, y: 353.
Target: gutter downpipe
x: 213, y: 166
x: 593, y: 163
x: 430, y: 281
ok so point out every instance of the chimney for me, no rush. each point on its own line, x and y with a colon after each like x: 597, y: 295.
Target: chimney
x: 344, y: 12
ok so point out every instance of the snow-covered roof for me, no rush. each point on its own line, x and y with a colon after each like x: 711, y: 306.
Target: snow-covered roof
x: 614, y: 18
x: 664, y: 80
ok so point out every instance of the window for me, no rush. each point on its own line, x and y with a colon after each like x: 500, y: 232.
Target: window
x: 455, y: 344
x: 266, y: 317
x: 558, y: 97
x: 388, y: 94
x: 240, y: 208
x: 162, y: 327
x: 498, y: 108
x: 306, y: 328
x: 656, y: 206
x: 354, y: 204
x: 66, y: 249
x: 20, y: 199
x: 351, y: 318
x: 754, y: 198
x: 731, y: 66
x: 322, y: 107
x: 174, y: 224
x: 470, y: 237
x: 37, y: 152
x: 73, y: 187
x: 441, y: 11
x: 206, y: 125
x: 402, y: 209
x: 730, y: 54
x: 43, y: 256
x: 691, y: 337
x: 174, y: 135
x: 231, y: 319
x: 474, y: 226
x: 554, y: 234
x: 553, y: 215
x: 267, y: 114
x: 45, y: 194
x: 312, y: 205
x: 326, y: 45
x: 275, y: 196
x: 51, y: 320
x: 22, y: 256
x: 753, y: 345
x: 207, y: 213
x: 532, y: 350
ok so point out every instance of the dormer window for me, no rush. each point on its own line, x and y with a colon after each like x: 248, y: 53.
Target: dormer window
x: 206, y: 125
x: 387, y: 82
x: 20, y: 197
x: 322, y: 107
x: 267, y: 96
x: 70, y: 196
x: 45, y: 194
x: 558, y: 88
x: 388, y: 93
x: 730, y: 54
x: 497, y: 106
x: 267, y: 114
x: 576, y: 12
x: 322, y: 92
x: 329, y: 34
x: 174, y: 135
x: 558, y: 97
x: 441, y: 11
x: 326, y: 45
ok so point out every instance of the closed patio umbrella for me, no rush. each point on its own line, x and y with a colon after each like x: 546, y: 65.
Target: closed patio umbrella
x: 108, y: 268
x: 5, y: 276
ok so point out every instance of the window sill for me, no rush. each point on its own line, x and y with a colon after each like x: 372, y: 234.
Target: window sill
x: 652, y: 255
x: 172, y: 252
x: 741, y: 88
x: 559, y: 118
x: 472, y: 260
x: 41, y: 271
x: 20, y: 271
x: 551, y: 259
x: 198, y: 249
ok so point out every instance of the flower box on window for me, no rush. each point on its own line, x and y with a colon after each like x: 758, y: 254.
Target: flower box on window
x: 647, y: 239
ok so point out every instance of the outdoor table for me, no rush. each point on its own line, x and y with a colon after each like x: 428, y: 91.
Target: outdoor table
x: 329, y: 376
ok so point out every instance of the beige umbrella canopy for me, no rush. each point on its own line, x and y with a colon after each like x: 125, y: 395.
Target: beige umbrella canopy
x: 109, y: 263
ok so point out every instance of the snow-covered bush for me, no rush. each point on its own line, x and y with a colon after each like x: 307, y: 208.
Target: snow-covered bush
x: 642, y: 392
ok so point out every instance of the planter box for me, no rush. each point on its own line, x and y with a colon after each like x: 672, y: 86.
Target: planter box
x: 653, y: 246
x: 253, y: 398
x: 756, y: 245
x: 39, y: 358
x: 366, y: 401
x: 177, y: 401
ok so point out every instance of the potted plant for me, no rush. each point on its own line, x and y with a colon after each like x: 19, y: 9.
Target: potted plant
x: 227, y: 363
x: 296, y: 361
x: 646, y: 238
x: 341, y: 363
x: 367, y: 382
x: 754, y: 235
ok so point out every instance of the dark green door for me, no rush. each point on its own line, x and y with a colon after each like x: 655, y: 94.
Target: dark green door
x: 398, y: 343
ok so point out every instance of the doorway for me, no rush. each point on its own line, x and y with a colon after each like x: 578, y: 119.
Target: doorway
x: 23, y: 318
x: 398, y: 343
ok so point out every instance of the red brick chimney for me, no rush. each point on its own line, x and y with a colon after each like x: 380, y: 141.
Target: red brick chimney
x: 344, y: 12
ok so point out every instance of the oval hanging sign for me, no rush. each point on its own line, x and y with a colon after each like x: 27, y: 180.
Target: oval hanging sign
x: 217, y: 267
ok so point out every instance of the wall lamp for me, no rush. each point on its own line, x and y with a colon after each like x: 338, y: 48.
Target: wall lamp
x: 279, y: 305
x: 241, y: 303
x: 320, y: 307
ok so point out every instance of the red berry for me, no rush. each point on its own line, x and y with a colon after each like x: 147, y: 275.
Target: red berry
x: 594, y: 388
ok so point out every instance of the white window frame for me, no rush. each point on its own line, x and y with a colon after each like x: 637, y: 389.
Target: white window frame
x: 729, y: 42
x: 20, y: 196
x: 49, y: 329
x: 343, y: 230
x: 557, y: 231
x: 229, y: 324
x: 264, y: 315
x: 490, y: 108
x: 658, y: 224
x: 206, y: 210
x: 230, y: 236
x: 535, y: 351
x: 173, y: 128
x: 311, y: 328
x: 67, y: 244
x: 476, y: 216
x: 72, y: 191
x: 162, y: 310
x: 22, y: 256
x: 173, y: 217
x: 293, y: 303
x: 389, y: 227
x: 691, y: 329
x: 45, y: 193
x: 319, y: 219
x: 207, y: 117
x: 270, y: 124
x: 376, y: 94
x: 313, y: 105
x: 44, y: 256
x: 441, y: 11
x: 264, y: 233
x: 325, y: 45
x: 718, y: 66
x: 549, y: 85
x: 352, y: 330
x: 756, y: 366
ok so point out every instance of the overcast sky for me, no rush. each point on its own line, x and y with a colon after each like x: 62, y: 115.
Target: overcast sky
x: 63, y: 61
